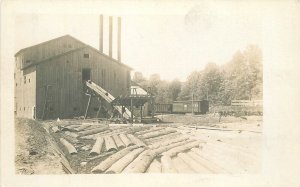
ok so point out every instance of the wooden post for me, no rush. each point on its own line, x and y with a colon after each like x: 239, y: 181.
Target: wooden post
x: 88, y: 105
x: 193, y: 103
x: 141, y: 113
x: 131, y: 108
x: 99, y: 107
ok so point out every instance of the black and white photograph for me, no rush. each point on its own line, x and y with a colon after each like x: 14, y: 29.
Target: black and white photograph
x: 110, y: 88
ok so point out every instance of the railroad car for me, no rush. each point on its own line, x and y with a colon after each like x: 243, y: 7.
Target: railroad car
x: 163, y: 108
x: 182, y: 107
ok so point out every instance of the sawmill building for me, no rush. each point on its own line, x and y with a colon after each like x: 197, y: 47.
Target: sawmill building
x: 50, y: 77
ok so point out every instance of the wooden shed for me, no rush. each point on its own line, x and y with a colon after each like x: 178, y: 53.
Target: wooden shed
x: 50, y: 77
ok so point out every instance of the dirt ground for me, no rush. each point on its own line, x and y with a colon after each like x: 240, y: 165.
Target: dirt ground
x: 34, y: 154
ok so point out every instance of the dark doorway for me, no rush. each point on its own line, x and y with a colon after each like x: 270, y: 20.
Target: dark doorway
x: 86, y: 74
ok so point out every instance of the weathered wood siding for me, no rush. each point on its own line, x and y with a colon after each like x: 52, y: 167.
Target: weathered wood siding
x: 47, y: 50
x: 64, y: 73
x: 25, y: 95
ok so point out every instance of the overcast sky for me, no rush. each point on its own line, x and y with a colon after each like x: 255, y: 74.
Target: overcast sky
x: 172, y: 45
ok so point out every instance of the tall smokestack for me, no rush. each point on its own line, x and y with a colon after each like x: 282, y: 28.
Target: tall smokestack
x: 101, y: 33
x: 119, y: 39
x: 110, y: 35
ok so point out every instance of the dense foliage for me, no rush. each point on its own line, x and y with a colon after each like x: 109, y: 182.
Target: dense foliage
x: 240, y: 78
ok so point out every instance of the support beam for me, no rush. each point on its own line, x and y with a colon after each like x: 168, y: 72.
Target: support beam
x: 131, y: 108
x: 141, y: 113
x: 88, y: 105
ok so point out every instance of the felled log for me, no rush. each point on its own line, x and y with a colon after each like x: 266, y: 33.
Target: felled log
x: 95, y: 136
x: 141, y: 163
x: 163, y: 137
x: 214, y: 168
x: 118, y: 141
x: 136, y: 141
x: 157, y: 133
x: 92, y: 131
x: 70, y: 127
x: 126, y: 140
x: 174, y: 151
x: 82, y: 127
x: 167, y: 165
x: 95, y: 126
x: 181, y: 166
x: 164, y: 149
x: 118, y: 166
x: 168, y: 142
x: 110, y: 144
x: 71, y: 149
x: 193, y: 164
x: 133, y: 130
x: 104, y: 165
x: 149, y: 130
x: 154, y: 167
x: 96, y: 150
x: 72, y: 134
x: 55, y: 129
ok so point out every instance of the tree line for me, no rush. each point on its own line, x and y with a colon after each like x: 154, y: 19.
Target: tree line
x: 239, y: 79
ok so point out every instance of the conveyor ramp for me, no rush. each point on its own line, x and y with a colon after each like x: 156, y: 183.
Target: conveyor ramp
x: 108, y: 97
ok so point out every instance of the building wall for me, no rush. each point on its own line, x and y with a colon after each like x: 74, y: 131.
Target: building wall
x: 67, y: 94
x: 25, y: 95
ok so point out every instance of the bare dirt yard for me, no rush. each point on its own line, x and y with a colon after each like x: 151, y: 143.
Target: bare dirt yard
x: 34, y: 154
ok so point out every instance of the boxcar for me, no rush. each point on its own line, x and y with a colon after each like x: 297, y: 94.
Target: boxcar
x: 163, y: 108
x: 199, y: 107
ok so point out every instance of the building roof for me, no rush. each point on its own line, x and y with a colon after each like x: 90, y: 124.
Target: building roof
x: 46, y: 42
x: 136, y: 90
x: 68, y: 52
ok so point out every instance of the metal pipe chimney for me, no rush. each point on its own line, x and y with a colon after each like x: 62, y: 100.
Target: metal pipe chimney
x: 110, y: 35
x: 101, y: 33
x: 119, y: 39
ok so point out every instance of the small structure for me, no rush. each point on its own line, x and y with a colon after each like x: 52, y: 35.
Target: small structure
x: 139, y: 101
